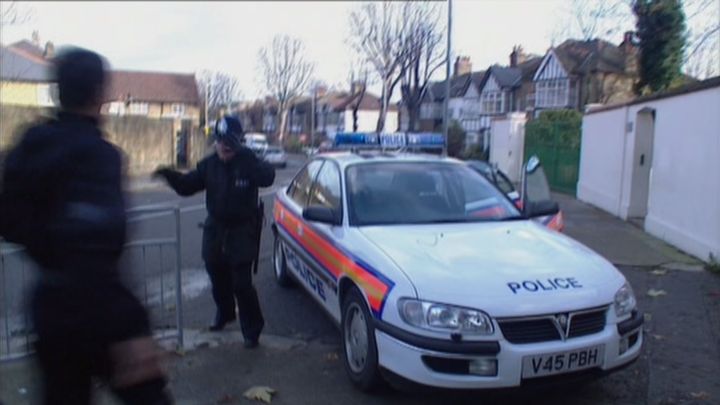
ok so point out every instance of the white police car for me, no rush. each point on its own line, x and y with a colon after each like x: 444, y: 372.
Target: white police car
x: 435, y: 276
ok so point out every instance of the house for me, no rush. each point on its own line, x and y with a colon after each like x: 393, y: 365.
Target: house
x: 153, y: 95
x: 25, y: 76
x: 333, y: 113
x: 577, y: 73
x: 505, y: 89
x: 463, y: 105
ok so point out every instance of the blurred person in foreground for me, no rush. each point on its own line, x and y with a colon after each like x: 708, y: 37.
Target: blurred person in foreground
x: 231, y: 178
x: 61, y: 197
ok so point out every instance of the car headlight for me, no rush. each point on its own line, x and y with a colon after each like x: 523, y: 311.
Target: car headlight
x: 624, y: 301
x: 434, y: 316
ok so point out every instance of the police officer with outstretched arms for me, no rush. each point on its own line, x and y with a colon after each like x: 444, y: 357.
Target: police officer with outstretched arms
x: 231, y: 178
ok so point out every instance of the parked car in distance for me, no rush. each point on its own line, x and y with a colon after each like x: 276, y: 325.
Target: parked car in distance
x: 257, y: 142
x: 276, y: 156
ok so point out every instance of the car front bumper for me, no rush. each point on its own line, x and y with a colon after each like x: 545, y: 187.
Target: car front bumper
x: 405, y: 355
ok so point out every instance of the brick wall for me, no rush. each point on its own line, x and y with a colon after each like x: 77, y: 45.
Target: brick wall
x: 146, y: 142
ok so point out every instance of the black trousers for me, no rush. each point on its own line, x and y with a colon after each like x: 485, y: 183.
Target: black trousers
x: 68, y: 374
x: 76, y: 325
x: 232, y: 285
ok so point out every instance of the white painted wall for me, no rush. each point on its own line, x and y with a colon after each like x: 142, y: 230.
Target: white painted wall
x: 684, y: 187
x: 601, y: 159
x: 507, y: 142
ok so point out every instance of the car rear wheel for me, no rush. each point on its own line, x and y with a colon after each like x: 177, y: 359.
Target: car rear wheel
x: 282, y: 276
x: 358, y: 342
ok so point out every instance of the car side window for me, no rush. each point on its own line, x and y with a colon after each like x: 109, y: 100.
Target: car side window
x: 300, y: 187
x: 327, y: 192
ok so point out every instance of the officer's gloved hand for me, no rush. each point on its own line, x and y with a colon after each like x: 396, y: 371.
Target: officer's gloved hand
x: 243, y: 152
x: 162, y: 172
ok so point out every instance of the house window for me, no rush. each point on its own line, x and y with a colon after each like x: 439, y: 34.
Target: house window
x: 139, y: 108
x: 116, y: 108
x: 178, y: 110
x: 552, y: 93
x: 492, y: 102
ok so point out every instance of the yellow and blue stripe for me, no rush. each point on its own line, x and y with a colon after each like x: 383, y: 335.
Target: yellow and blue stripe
x: 333, y: 259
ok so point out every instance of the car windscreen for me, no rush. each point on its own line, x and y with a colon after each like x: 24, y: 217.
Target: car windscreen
x: 387, y: 193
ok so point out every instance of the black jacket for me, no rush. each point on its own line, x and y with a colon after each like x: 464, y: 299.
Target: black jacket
x: 231, y: 200
x: 62, y: 196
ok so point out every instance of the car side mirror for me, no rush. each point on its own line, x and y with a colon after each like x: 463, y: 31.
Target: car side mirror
x: 541, y: 208
x: 320, y: 214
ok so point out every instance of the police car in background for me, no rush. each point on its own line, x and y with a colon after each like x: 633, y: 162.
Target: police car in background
x: 435, y: 276
x: 539, y: 183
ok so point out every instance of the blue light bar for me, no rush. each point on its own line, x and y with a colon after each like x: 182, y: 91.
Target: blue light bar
x: 389, y: 140
x: 425, y: 140
x: 393, y: 140
x: 355, y: 139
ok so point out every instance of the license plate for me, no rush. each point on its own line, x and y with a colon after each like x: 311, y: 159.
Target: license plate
x: 562, y: 362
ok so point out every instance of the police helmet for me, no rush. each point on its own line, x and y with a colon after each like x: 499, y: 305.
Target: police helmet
x: 229, y: 131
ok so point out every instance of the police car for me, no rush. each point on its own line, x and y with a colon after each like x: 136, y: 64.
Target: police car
x: 435, y: 276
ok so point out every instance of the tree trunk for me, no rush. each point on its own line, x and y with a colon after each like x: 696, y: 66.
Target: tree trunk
x: 413, y: 117
x: 283, y: 124
x: 383, y: 110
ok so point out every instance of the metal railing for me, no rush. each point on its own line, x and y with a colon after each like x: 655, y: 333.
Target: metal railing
x: 155, y: 278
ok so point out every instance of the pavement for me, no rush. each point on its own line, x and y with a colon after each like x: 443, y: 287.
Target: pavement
x: 299, y: 355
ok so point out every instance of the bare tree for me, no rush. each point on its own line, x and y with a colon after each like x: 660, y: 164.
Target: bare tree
x: 218, y: 90
x: 286, y: 73
x: 702, y: 55
x: 424, y: 54
x: 11, y: 13
x: 596, y: 19
x: 359, y: 78
x: 376, y: 33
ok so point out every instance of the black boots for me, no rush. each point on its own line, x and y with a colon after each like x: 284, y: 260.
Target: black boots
x: 220, y: 322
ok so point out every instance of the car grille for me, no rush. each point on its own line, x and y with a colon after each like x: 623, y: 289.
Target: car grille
x: 543, y: 329
x: 587, y: 323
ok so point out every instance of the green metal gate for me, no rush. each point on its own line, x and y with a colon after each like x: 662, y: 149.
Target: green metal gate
x: 557, y: 144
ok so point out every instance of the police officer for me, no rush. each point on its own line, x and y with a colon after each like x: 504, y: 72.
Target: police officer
x: 231, y: 178
x: 62, y: 198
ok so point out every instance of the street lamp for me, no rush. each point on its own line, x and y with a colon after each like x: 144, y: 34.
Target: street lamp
x: 312, y: 118
x: 447, y: 79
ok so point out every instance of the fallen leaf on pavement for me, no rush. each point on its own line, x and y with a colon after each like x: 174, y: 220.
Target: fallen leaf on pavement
x: 700, y: 395
x: 648, y: 317
x: 260, y: 393
x: 331, y: 357
x: 655, y: 293
x: 658, y: 272
x: 658, y: 337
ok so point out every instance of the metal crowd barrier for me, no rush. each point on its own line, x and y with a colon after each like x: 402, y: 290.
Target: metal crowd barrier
x: 154, y: 278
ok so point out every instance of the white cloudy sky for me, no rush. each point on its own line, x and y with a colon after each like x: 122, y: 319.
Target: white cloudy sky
x: 226, y: 36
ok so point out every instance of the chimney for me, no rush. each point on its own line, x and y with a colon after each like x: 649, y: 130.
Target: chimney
x: 49, y: 50
x: 517, y: 56
x: 462, y: 65
x: 630, y: 50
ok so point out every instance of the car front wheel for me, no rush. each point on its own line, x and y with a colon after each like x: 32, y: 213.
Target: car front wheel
x: 279, y: 264
x: 358, y: 342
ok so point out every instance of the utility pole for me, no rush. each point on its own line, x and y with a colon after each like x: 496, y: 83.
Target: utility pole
x: 207, y: 108
x: 312, y: 118
x: 447, y: 79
